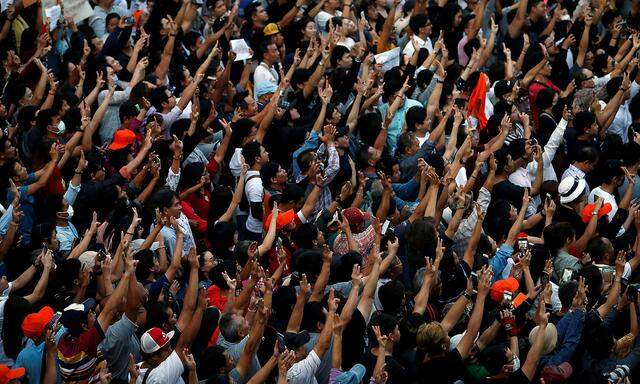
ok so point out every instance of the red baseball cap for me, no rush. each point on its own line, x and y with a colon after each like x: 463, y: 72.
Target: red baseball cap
x: 34, y: 324
x: 7, y: 374
x: 154, y: 339
x: 122, y: 138
x: 355, y: 216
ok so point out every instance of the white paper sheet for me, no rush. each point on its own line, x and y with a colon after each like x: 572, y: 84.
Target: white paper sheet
x: 241, y: 49
x: 53, y: 15
x: 388, y: 59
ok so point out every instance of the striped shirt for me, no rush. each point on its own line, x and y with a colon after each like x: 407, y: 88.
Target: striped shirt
x: 78, y: 356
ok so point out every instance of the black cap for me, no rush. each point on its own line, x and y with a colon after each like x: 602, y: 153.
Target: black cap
x: 293, y: 340
x: 502, y: 87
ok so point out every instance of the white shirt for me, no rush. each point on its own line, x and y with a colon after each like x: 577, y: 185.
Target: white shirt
x: 254, y: 191
x: 303, y: 372
x: 409, y: 50
x: 3, y: 300
x: 607, y: 197
x: 168, y: 372
x: 265, y: 74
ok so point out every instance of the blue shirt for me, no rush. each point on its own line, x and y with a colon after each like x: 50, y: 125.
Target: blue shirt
x: 395, y: 128
x: 499, y: 261
x: 27, y: 205
x: 31, y: 358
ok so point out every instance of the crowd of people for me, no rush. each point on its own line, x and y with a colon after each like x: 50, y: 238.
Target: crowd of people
x: 319, y: 192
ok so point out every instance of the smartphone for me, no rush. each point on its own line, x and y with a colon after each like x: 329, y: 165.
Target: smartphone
x: 567, y: 275
x: 523, y: 244
x: 507, y: 296
x: 474, y: 282
x: 280, y: 342
x: 544, y: 279
x: 54, y: 320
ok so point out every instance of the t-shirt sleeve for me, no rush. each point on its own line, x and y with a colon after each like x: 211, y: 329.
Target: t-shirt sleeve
x: 118, y: 334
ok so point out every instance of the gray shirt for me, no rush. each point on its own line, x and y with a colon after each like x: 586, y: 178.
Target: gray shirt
x: 565, y: 261
x: 119, y: 341
x: 234, y: 350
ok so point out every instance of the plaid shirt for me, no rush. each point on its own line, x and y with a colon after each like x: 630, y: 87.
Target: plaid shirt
x: 331, y: 158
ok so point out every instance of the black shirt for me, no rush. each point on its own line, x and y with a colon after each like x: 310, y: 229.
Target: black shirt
x: 445, y: 369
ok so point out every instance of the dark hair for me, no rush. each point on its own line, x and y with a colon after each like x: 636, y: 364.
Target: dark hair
x: 338, y: 52
x: 158, y: 314
x: 163, y: 199
x: 556, y: 236
x: 159, y: 96
x: 268, y: 171
x: 304, y: 235
x: 250, y: 151
x: 190, y: 175
x: 391, y: 296
x: 221, y: 235
x: 566, y: 293
x: 250, y: 10
x: 418, y: 21
x: 385, y: 321
x: 212, y: 361
x: 146, y: 262
x: 414, y: 116
x: 545, y: 98
x: 611, y: 169
x: 588, y: 154
x: 583, y: 120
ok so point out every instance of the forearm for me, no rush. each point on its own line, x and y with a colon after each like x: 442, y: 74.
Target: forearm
x: 147, y: 191
x: 296, y: 314
x: 321, y: 281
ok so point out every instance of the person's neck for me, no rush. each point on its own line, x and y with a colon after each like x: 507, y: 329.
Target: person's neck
x: 535, y: 18
x: 258, y: 25
x: 388, y: 351
x: 423, y: 36
x: 103, y: 7
x: 421, y: 132
x: 541, y: 78
x: 585, y: 137
x: 256, y: 167
x: 62, y: 222
x: 581, y: 167
x: 277, y: 187
x: 370, y: 169
x: 268, y: 63
x: 608, y: 188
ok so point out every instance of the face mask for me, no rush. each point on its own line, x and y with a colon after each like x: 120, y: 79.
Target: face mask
x: 516, y: 363
x: 61, y: 128
x: 70, y: 212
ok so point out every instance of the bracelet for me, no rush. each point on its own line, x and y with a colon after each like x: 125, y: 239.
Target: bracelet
x: 177, y: 158
x: 161, y: 247
x: 459, y: 207
x: 130, y: 233
x: 173, y: 34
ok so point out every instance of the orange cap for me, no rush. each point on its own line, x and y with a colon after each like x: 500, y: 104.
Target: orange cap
x: 122, y: 138
x: 284, y: 219
x: 499, y: 287
x: 7, y: 374
x: 587, y: 211
x: 34, y: 324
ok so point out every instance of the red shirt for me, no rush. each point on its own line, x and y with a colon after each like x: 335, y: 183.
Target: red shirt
x: 534, y: 89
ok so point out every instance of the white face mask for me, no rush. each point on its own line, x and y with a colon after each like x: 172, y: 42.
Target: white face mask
x: 516, y: 363
x: 61, y: 128
x: 70, y: 212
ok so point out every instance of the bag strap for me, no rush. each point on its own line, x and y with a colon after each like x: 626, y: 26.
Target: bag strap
x: 146, y: 375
